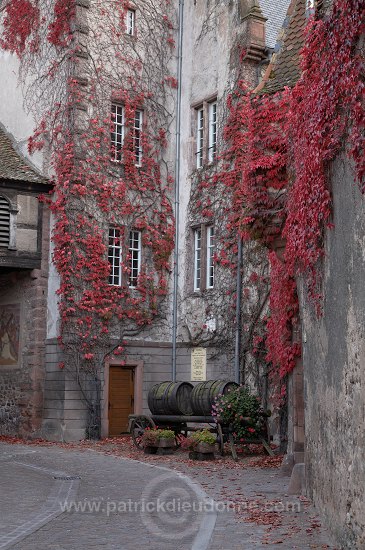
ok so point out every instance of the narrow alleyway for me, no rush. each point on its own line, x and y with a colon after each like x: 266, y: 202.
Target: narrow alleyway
x: 56, y: 498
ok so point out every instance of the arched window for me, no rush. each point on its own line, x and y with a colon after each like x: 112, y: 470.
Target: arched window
x: 4, y: 222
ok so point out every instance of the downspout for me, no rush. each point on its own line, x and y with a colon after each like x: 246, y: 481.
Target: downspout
x: 177, y: 188
x: 237, y: 377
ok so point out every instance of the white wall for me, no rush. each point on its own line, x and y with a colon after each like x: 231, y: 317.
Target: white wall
x: 13, y: 117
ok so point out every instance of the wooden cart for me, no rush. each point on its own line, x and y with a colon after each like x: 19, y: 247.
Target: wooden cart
x: 182, y: 425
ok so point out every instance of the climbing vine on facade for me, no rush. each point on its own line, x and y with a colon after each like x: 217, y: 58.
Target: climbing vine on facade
x: 280, y: 146
x: 274, y: 164
x: 104, y: 119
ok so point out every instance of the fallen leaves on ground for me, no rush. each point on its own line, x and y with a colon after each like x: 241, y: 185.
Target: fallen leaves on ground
x: 225, y: 480
x: 123, y: 446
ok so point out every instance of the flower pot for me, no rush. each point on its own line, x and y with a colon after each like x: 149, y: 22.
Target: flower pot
x: 203, y: 451
x: 205, y: 448
x: 166, y: 443
x: 152, y: 443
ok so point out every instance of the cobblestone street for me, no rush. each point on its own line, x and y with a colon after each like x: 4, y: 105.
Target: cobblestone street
x: 55, y: 498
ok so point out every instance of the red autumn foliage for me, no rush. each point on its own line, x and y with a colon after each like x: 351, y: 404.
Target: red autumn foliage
x: 93, y: 190
x: 278, y: 151
x: 20, y: 22
x: 60, y: 29
x: 283, y: 318
x: 327, y: 111
x: 280, y: 146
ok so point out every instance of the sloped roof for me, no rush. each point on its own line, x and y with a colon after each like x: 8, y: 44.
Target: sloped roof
x: 284, y: 68
x: 13, y: 166
x: 275, y: 13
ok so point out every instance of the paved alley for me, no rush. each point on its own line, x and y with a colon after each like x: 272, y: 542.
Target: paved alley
x: 56, y: 498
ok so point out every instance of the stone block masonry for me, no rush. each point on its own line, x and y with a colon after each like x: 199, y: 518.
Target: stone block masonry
x: 22, y: 384
x: 334, y: 368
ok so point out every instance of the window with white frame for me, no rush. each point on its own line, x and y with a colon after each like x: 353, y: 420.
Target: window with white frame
x: 137, y: 136
x: 197, y: 258
x: 210, y: 256
x: 135, y: 251
x: 204, y: 246
x: 199, y: 137
x: 206, y: 133
x: 212, y: 131
x: 115, y: 256
x: 118, y: 130
x: 118, y: 133
x: 131, y: 22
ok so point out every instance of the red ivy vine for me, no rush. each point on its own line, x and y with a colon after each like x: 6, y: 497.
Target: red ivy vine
x: 60, y: 32
x: 21, y: 21
x: 327, y: 110
x: 280, y: 146
x: 278, y: 151
x: 91, y: 192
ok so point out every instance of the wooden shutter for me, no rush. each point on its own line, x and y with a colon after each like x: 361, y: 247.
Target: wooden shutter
x: 4, y: 222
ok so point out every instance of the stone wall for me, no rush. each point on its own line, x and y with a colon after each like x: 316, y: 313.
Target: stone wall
x: 65, y: 416
x: 334, y: 370
x: 23, y: 293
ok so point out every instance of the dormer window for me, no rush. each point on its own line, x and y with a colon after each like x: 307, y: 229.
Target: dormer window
x: 310, y: 7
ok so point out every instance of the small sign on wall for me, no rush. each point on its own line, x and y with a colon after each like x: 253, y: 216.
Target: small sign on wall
x: 198, y: 365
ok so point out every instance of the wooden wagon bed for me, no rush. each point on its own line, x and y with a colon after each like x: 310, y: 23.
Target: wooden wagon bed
x: 181, y: 425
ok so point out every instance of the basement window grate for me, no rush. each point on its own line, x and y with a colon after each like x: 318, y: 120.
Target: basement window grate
x: 4, y: 222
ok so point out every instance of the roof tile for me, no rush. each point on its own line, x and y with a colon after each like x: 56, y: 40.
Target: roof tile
x: 14, y: 166
x: 285, y: 62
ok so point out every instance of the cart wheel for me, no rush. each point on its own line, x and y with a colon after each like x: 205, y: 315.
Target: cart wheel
x: 220, y: 439
x: 138, y: 427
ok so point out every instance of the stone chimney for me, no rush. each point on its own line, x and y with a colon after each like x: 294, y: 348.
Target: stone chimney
x: 250, y: 11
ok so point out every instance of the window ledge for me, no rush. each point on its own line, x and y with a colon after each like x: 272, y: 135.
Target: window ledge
x: 202, y: 293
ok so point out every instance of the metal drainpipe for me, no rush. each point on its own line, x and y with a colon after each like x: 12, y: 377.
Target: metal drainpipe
x: 237, y: 377
x: 177, y: 189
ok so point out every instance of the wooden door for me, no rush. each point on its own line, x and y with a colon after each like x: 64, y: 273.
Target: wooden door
x: 121, y: 399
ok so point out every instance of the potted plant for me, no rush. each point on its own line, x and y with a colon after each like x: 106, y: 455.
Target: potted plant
x: 154, y: 439
x: 150, y: 438
x: 201, y: 445
x: 242, y: 411
x: 205, y: 441
x: 166, y: 438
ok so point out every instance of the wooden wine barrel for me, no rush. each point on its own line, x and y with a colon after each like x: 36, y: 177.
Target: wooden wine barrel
x: 171, y: 398
x: 204, y: 394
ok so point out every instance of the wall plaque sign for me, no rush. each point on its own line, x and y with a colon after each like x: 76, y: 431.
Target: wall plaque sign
x: 198, y: 365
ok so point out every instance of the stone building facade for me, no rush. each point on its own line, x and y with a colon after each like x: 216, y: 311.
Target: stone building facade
x: 24, y: 260
x: 326, y: 388
x: 214, y: 33
x: 334, y: 346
